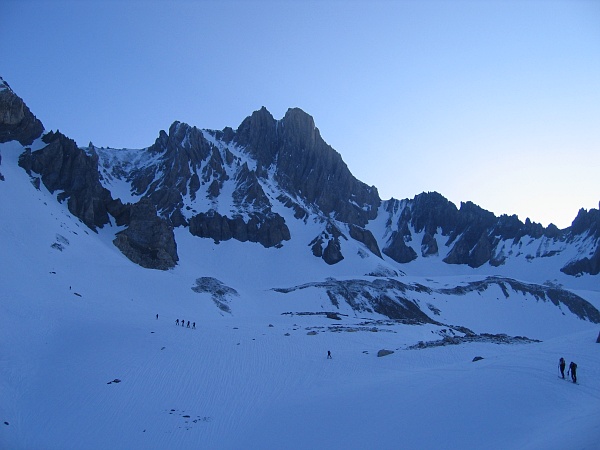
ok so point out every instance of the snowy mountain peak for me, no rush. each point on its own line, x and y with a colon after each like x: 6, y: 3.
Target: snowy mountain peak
x: 4, y: 85
x: 270, y: 255
x: 16, y: 120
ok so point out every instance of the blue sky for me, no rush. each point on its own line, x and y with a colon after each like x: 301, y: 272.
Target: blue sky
x: 496, y: 102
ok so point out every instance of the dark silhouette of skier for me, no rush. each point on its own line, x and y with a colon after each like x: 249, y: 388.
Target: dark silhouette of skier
x: 573, y: 371
x: 561, y: 366
x: 188, y: 324
x: 182, y: 322
x: 329, y: 354
x: 177, y: 322
x: 157, y: 317
x: 194, y: 326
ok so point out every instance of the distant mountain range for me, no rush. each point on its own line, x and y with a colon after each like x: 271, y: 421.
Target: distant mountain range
x: 248, y: 183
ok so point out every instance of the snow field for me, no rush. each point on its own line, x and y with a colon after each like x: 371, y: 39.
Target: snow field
x: 71, y: 325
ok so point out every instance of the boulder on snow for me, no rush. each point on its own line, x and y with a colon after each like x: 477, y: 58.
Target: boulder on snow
x: 477, y: 358
x: 384, y: 352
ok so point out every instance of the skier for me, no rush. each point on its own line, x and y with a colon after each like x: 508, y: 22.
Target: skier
x: 561, y: 366
x: 573, y: 371
x: 177, y: 322
x: 182, y: 322
x: 188, y: 324
x: 194, y: 326
x: 157, y: 317
x: 329, y: 354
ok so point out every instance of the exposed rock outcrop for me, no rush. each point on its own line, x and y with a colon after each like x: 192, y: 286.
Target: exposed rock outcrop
x: 269, y: 230
x: 398, y: 250
x: 476, y: 237
x: 17, y: 123
x: 180, y: 155
x: 306, y: 165
x: 148, y: 240
x: 65, y: 167
x: 587, y: 226
x: 366, y: 237
x: 382, y: 296
x: 558, y: 296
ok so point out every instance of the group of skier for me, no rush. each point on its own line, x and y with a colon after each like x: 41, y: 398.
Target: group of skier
x: 188, y: 324
x: 183, y: 323
x: 572, y: 369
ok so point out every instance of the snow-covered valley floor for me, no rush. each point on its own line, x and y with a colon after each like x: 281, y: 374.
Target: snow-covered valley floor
x: 245, y: 384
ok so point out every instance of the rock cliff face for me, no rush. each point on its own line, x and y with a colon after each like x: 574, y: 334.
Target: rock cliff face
x: 64, y: 167
x: 306, y: 166
x: 148, y: 240
x: 268, y: 230
x: 17, y: 123
x: 586, y: 225
x: 176, y: 173
x: 474, y: 236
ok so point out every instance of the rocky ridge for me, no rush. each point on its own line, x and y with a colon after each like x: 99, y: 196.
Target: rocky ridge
x: 233, y: 184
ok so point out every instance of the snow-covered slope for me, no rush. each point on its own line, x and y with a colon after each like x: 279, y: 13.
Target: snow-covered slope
x: 76, y: 316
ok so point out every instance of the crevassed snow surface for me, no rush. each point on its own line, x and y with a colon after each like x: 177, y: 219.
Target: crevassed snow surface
x: 76, y: 315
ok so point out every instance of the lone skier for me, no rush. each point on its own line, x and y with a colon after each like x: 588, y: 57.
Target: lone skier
x: 573, y: 371
x: 177, y: 323
x: 329, y: 354
x: 561, y: 366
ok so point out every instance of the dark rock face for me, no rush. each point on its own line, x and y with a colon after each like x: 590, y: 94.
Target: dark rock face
x: 589, y: 265
x: 366, y: 237
x: 269, y: 231
x: 306, y: 165
x: 586, y: 225
x: 180, y: 154
x: 149, y: 240
x: 17, y: 123
x: 333, y: 252
x: 398, y: 250
x: 587, y: 222
x: 383, y: 296
x: 429, y: 245
x: 249, y: 192
x: 474, y: 235
x: 63, y: 166
x: 472, y: 246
